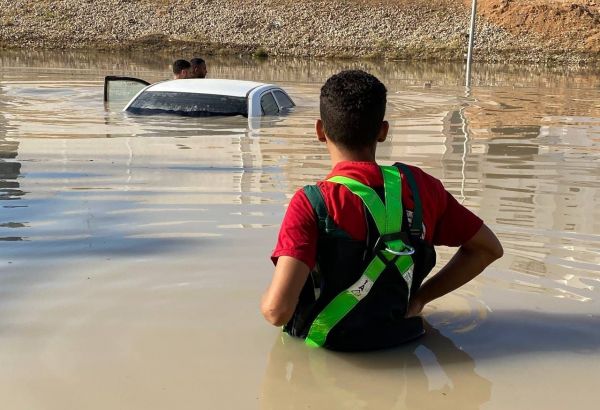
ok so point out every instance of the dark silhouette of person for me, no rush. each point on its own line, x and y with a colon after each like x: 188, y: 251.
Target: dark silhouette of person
x: 181, y: 69
x: 198, y: 69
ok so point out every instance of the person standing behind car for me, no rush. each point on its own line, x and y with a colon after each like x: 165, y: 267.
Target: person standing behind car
x: 181, y: 69
x: 198, y: 69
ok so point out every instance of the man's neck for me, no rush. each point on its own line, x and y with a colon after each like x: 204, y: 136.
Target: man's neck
x: 339, y: 155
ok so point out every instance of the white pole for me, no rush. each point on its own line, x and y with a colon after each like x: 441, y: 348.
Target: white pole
x: 471, y: 40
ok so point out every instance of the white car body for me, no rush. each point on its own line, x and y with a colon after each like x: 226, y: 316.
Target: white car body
x: 259, y: 96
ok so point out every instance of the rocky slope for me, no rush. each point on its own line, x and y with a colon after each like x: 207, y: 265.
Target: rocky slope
x: 508, y: 30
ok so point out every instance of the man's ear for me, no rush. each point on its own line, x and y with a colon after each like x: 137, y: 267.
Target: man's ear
x: 383, y: 131
x: 320, y: 131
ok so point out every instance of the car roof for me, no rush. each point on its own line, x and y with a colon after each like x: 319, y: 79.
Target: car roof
x: 234, y: 88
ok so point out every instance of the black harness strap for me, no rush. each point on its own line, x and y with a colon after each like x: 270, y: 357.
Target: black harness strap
x: 315, y: 197
x: 416, y: 227
x: 326, y: 223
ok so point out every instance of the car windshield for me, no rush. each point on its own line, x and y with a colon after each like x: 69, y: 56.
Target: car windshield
x: 189, y: 104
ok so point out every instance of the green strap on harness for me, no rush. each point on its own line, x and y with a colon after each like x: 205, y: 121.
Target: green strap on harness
x: 388, y: 219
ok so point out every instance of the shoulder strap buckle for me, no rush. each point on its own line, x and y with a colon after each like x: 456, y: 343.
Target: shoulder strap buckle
x: 394, y: 243
x: 406, y: 250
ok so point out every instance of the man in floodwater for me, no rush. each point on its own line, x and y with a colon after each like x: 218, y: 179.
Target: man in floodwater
x: 353, y: 250
x: 181, y: 69
x: 198, y: 69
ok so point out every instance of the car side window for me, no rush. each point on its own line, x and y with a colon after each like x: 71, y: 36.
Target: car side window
x: 282, y: 99
x: 268, y: 104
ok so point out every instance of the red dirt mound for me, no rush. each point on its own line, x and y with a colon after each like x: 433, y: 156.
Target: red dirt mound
x: 558, y: 24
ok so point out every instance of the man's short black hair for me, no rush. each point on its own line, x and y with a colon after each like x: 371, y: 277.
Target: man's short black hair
x: 197, y: 61
x: 352, y: 106
x: 179, y: 65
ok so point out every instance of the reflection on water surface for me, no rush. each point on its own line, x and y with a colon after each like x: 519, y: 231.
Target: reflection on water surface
x: 135, y: 249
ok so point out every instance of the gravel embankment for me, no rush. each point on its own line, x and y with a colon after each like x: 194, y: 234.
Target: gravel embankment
x: 395, y: 29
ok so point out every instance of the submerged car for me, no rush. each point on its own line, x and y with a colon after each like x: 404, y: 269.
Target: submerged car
x: 198, y: 97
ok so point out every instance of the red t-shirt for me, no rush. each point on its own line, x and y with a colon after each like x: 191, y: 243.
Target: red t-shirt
x: 446, y: 222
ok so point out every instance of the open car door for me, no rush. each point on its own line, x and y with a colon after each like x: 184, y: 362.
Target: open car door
x: 119, y: 89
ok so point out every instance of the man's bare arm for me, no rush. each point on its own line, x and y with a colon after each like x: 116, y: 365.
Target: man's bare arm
x: 469, y: 261
x: 280, y: 299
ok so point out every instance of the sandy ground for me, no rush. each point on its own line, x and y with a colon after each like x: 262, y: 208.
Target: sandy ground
x: 551, y: 32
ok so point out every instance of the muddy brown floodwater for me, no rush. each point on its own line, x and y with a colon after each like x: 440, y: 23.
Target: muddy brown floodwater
x: 134, y: 250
